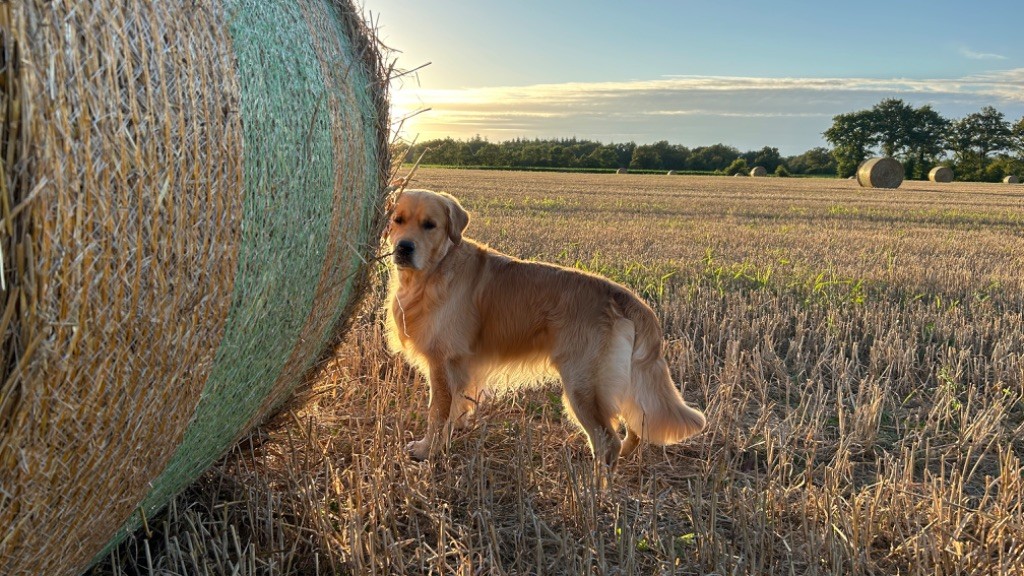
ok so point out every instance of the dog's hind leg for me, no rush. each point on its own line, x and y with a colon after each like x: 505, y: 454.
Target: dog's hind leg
x: 583, y: 405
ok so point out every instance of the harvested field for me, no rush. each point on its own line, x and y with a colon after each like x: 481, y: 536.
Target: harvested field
x: 858, y: 353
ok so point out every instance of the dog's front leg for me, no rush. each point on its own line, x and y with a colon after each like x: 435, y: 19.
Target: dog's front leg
x: 437, y: 415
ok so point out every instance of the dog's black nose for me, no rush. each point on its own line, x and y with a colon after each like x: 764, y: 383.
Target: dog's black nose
x: 405, y: 247
x: 403, y: 253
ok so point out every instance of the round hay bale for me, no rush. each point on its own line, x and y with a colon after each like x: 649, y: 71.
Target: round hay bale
x: 758, y: 171
x: 880, y: 173
x: 739, y: 175
x: 1011, y: 180
x: 193, y: 194
x: 671, y: 173
x: 941, y: 174
x: 622, y: 171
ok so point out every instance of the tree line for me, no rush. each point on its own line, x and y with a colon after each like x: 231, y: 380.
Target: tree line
x: 983, y: 146
x: 980, y: 146
x: 581, y: 154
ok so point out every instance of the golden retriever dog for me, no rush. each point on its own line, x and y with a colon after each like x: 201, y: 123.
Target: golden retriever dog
x: 466, y: 315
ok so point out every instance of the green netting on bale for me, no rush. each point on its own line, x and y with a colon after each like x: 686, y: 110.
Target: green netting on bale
x: 189, y: 194
x: 290, y: 185
x: 288, y: 175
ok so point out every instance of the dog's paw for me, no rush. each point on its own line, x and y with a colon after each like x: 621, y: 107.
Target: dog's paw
x: 418, y: 450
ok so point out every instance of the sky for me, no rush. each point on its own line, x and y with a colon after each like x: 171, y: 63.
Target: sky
x: 748, y: 74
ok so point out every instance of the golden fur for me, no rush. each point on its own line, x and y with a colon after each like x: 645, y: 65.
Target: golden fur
x: 462, y: 313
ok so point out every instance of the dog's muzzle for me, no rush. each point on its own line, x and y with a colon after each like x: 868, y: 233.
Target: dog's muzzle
x: 403, y: 254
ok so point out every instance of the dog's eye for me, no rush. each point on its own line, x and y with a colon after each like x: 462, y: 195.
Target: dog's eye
x: 399, y: 220
x: 429, y: 225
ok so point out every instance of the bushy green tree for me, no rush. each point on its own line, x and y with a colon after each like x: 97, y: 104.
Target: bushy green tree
x: 711, y: 158
x: 768, y: 157
x: 853, y: 137
x: 892, y: 123
x: 601, y: 157
x: 645, y: 157
x: 738, y: 166
x: 974, y: 138
x: 1002, y: 166
x: 926, y: 142
x: 673, y: 157
x: 815, y: 161
x: 1017, y: 133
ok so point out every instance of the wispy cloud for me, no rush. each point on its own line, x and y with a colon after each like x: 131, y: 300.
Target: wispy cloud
x: 973, y: 55
x: 744, y: 111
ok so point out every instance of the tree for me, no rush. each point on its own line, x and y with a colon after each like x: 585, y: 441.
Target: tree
x: 623, y: 154
x: 892, y: 122
x: 601, y: 157
x: 645, y: 157
x: 673, y: 157
x: 976, y: 136
x: 710, y: 158
x: 768, y: 157
x: 487, y: 155
x: 1018, y: 137
x: 814, y: 161
x: 987, y: 131
x: 925, y: 141
x: 738, y: 166
x: 853, y: 136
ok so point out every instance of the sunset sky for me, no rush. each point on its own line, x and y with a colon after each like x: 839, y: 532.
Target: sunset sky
x: 748, y: 74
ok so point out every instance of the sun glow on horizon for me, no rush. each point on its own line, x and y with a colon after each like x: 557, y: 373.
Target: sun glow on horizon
x: 693, y: 110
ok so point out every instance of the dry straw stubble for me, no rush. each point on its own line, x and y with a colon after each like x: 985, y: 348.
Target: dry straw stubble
x: 860, y: 363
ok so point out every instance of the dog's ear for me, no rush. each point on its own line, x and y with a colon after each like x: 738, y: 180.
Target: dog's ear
x: 458, y: 218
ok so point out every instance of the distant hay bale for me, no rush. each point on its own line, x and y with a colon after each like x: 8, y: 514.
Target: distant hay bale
x: 941, y: 174
x: 1011, y: 180
x: 758, y: 171
x: 739, y: 175
x: 622, y: 171
x: 191, y: 194
x: 880, y: 173
x: 671, y: 173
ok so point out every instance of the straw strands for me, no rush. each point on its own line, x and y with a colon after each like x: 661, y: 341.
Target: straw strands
x: 190, y: 193
x: 880, y: 173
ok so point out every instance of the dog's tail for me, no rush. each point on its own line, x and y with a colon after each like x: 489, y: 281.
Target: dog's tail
x: 652, y: 407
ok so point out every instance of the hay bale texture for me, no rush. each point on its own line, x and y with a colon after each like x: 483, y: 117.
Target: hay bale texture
x: 1011, y: 180
x: 191, y: 192
x: 941, y: 174
x: 880, y: 173
x: 758, y: 171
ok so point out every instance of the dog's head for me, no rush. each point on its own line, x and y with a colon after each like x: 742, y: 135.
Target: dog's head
x: 424, y: 226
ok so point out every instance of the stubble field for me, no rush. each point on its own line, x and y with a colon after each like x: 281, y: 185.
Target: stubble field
x: 858, y: 354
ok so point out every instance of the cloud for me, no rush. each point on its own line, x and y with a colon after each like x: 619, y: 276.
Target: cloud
x: 971, y: 54
x: 693, y: 110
